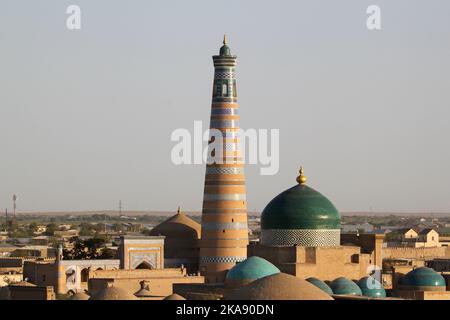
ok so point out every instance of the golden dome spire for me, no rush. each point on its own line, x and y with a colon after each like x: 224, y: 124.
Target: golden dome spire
x: 225, y: 39
x: 178, y: 210
x: 301, y: 179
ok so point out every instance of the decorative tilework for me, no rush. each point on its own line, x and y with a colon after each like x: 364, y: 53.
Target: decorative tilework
x: 224, y: 75
x: 225, y: 111
x: 221, y: 259
x: 224, y: 226
x: 224, y: 123
x: 301, y: 237
x: 224, y: 170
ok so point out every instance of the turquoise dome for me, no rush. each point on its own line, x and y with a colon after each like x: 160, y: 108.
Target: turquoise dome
x: 251, y: 269
x: 345, y: 286
x: 422, y: 277
x: 371, y: 287
x: 300, y: 207
x: 320, y: 284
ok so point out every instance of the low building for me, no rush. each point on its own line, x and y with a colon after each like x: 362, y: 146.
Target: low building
x: 34, y: 251
x: 424, y: 238
x: 6, y: 249
x: 41, y: 240
x: 140, y: 258
x: 27, y: 291
x: 420, y: 284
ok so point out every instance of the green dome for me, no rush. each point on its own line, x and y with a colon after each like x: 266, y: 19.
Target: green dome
x: 320, y: 284
x: 225, y: 50
x: 251, y: 269
x: 345, y: 286
x: 371, y: 287
x: 300, y: 207
x: 422, y: 277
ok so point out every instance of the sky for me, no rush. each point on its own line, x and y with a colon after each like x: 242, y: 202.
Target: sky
x: 86, y: 115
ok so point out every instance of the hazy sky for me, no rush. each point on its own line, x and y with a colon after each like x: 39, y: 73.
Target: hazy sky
x: 86, y: 115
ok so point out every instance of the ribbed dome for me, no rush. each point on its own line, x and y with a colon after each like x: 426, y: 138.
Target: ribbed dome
x: 178, y: 226
x: 423, y: 277
x: 79, y: 296
x: 113, y: 293
x: 371, y: 287
x: 300, y: 207
x: 300, y: 216
x: 249, y: 270
x: 279, y: 286
x: 174, y: 296
x: 345, y: 286
x: 320, y: 284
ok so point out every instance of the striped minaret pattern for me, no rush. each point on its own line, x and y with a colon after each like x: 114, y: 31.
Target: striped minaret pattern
x: 224, y: 216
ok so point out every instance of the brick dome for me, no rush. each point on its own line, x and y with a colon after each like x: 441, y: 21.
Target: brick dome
x: 280, y: 286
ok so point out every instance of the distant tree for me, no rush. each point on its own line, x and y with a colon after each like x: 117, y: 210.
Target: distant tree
x: 32, y: 227
x: 50, y: 229
x: 107, y: 253
x: 86, y: 249
x: 118, y: 227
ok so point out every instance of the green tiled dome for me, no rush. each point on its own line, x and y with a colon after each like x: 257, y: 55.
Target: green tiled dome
x: 320, y: 284
x: 300, y: 207
x: 422, y: 277
x: 345, y: 286
x: 371, y: 287
x: 251, y: 269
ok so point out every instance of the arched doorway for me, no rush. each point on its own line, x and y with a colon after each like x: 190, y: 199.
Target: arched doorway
x: 144, y: 265
x: 85, y: 275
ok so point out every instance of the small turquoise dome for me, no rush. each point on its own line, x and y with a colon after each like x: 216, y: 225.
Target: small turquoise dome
x: 345, y: 286
x: 423, y: 277
x: 225, y: 50
x: 320, y: 284
x: 249, y: 270
x: 371, y: 287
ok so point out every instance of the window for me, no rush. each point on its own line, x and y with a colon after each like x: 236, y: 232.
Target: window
x: 224, y: 89
x: 84, y: 275
x: 234, y: 89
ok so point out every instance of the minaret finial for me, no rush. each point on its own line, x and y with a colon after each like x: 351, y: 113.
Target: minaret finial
x: 225, y: 39
x: 301, y: 179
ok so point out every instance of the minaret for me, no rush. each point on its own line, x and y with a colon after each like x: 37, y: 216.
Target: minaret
x: 224, y: 237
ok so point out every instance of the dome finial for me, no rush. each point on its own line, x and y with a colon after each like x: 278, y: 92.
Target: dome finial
x: 178, y: 210
x: 301, y: 179
x: 225, y: 39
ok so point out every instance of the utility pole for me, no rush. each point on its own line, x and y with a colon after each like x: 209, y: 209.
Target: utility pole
x: 14, y: 198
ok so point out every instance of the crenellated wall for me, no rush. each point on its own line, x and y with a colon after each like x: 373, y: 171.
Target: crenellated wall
x: 416, y: 253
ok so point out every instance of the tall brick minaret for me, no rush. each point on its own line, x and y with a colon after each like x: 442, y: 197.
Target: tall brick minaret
x: 224, y: 216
